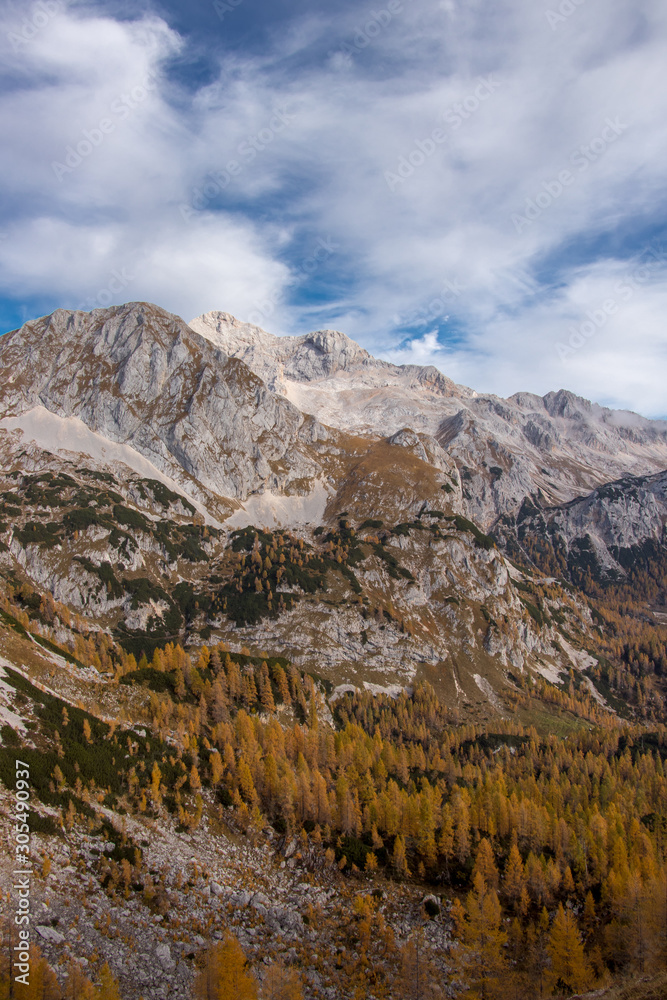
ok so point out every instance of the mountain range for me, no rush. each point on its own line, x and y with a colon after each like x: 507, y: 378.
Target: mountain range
x: 300, y: 644
x: 431, y: 497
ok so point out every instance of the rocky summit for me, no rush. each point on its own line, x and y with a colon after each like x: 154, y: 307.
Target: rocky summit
x: 327, y: 671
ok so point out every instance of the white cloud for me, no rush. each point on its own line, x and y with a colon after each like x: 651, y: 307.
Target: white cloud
x: 98, y: 164
x: 447, y: 231
x: 602, y: 330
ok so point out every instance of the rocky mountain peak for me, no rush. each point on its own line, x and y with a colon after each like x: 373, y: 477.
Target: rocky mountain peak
x: 308, y: 357
x: 141, y: 377
x: 565, y: 404
x: 225, y: 402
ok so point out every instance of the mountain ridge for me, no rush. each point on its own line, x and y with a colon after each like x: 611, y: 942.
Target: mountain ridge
x: 314, y: 684
x: 292, y: 389
x: 560, y: 444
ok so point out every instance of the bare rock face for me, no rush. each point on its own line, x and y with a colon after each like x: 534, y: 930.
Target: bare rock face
x: 276, y: 359
x: 138, y: 375
x: 559, y: 445
x: 605, y: 533
x: 222, y: 406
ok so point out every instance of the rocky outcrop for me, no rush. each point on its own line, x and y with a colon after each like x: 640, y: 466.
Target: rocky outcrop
x: 139, y: 376
x: 559, y: 445
x: 221, y: 407
x: 605, y: 533
x: 307, y: 358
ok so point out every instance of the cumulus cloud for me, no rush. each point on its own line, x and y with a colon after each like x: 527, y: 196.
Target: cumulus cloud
x: 98, y: 164
x: 486, y: 174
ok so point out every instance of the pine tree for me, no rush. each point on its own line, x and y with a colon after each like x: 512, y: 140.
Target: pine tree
x: 77, y: 985
x: 266, y: 694
x: 446, y: 839
x: 217, y: 769
x: 538, y: 956
x: 42, y: 985
x: 589, y: 915
x: 156, y: 778
x: 485, y: 864
x: 398, y: 858
x: 514, y: 881
x: 417, y: 976
x: 461, y: 818
x: 194, y: 779
x: 371, y: 863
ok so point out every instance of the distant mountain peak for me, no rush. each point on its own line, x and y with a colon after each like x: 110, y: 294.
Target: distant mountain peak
x: 308, y: 357
x: 230, y: 406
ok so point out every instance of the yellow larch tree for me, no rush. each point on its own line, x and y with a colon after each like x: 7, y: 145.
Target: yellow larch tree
x: 570, y: 969
x: 225, y: 975
x: 108, y: 988
x: 418, y: 978
x: 281, y: 983
x: 482, y: 960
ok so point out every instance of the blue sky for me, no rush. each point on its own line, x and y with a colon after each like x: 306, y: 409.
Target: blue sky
x: 475, y: 185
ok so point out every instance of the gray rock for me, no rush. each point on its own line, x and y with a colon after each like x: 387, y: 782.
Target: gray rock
x: 140, y: 376
x: 49, y: 934
x: 163, y: 955
x: 259, y: 899
x: 291, y: 847
x: 509, y: 448
x: 241, y: 898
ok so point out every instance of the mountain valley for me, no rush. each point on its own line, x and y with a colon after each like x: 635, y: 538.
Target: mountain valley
x: 331, y: 655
